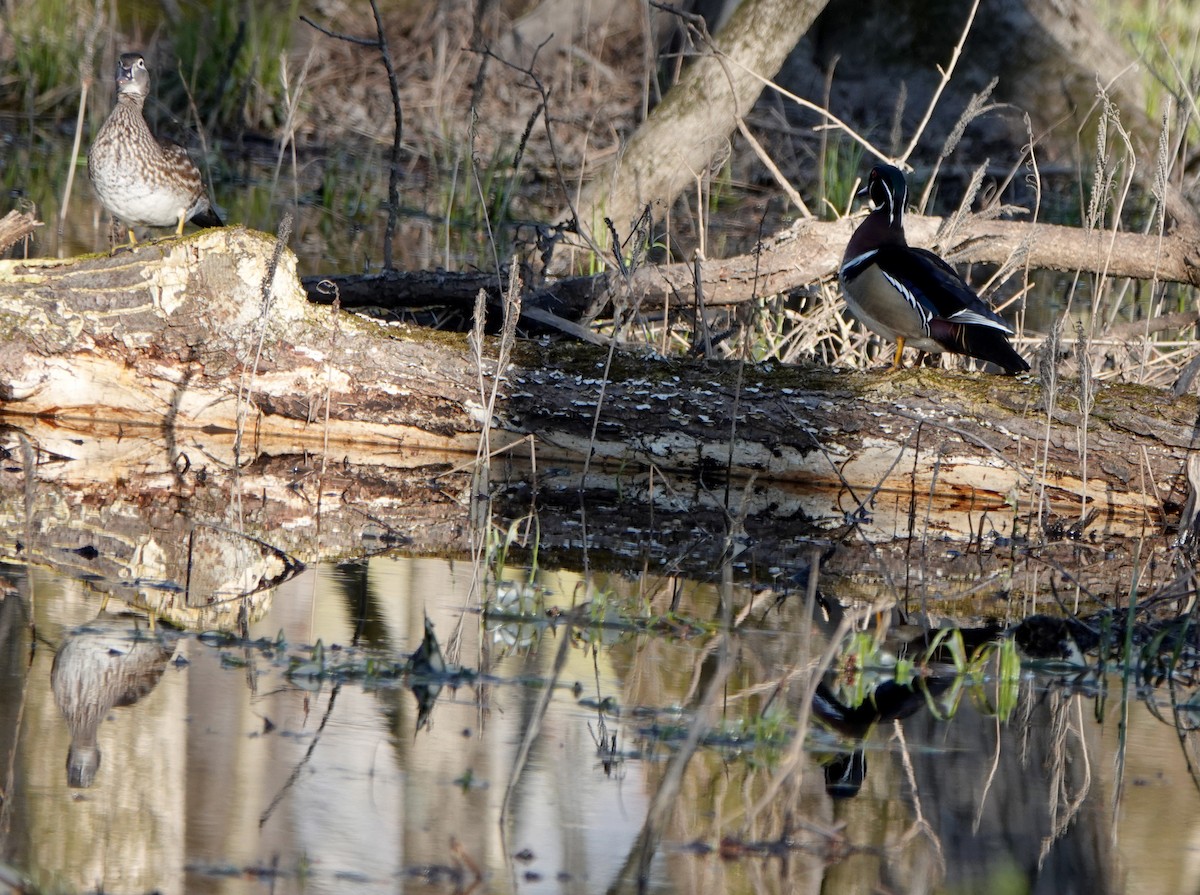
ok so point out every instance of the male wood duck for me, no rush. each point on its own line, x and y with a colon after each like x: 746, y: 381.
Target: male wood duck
x: 910, y: 296
x: 141, y: 180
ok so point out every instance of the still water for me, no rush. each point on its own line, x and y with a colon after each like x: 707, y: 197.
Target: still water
x: 228, y: 765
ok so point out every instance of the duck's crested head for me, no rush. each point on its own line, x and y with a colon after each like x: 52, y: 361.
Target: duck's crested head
x: 888, y: 192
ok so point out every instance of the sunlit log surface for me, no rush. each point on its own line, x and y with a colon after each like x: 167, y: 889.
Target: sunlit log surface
x: 177, y: 335
x: 15, y: 226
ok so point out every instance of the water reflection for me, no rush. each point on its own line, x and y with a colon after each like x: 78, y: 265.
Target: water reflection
x: 111, y: 661
x: 233, y: 771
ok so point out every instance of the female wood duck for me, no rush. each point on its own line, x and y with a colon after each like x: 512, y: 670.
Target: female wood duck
x: 142, y: 180
x: 910, y: 296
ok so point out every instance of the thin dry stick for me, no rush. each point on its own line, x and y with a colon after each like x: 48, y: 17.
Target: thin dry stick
x: 833, y: 120
x: 328, y: 287
x: 1105, y: 180
x: 530, y: 440
x: 380, y: 43
x: 292, y: 102
x: 85, y: 84
x: 195, y: 113
x: 508, y: 336
x: 477, y: 511
x: 1161, y: 175
x: 975, y: 107
x: 569, y: 196
x: 946, y: 74
x: 620, y: 321
x: 489, y: 397
x: 281, y: 238
x: 769, y: 164
x: 1047, y: 373
x: 920, y: 824
x: 1087, y: 398
x: 989, y: 779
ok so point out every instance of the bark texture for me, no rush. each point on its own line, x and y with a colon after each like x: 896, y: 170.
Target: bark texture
x: 676, y: 144
x: 15, y: 226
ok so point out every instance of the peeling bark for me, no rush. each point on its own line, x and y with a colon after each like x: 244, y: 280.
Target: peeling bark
x: 14, y: 227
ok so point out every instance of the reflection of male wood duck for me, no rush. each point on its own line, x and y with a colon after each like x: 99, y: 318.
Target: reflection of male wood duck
x: 910, y: 296
x: 886, y: 698
x: 105, y: 663
x: 889, y: 701
x: 428, y: 666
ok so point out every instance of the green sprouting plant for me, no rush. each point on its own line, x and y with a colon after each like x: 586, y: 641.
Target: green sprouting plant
x: 523, y: 532
x: 1008, y: 678
x: 759, y: 738
x: 971, y: 675
x: 231, y: 54
x: 48, y: 40
x: 839, y: 174
x: 472, y: 211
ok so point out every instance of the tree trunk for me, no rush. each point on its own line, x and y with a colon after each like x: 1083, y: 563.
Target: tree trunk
x: 693, y: 123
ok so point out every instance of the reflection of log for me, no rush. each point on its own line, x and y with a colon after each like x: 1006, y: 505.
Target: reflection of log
x: 173, y: 335
x: 120, y: 513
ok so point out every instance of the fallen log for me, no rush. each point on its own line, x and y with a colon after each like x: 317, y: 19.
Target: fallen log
x: 803, y: 254
x: 210, y: 334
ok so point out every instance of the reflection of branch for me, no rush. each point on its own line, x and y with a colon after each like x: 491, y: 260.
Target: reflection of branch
x: 295, y: 775
x: 920, y: 825
x: 535, y: 722
x: 10, y: 769
x: 636, y: 868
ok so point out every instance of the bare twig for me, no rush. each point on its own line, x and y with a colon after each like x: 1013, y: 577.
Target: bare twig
x: 946, y: 74
x: 380, y: 43
x: 86, y: 77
